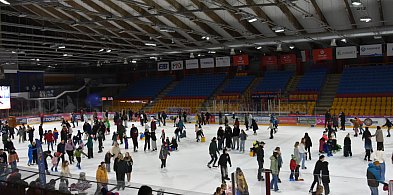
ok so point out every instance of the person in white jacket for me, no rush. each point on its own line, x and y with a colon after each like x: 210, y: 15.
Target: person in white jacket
x: 302, y: 151
x: 380, y: 157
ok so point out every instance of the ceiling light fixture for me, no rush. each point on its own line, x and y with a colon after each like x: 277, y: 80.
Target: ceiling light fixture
x: 232, y: 51
x: 207, y: 38
x: 356, y: 3
x: 279, y: 48
x: 344, y: 40
x: 22, y: 15
x: 365, y: 19
x: 333, y: 43
x: 252, y: 20
x: 5, y: 2
x: 278, y: 29
x: 291, y: 47
x: 65, y: 55
x: 108, y: 50
x: 133, y: 61
x: 62, y: 47
x: 167, y: 30
x: 377, y: 37
x: 101, y: 50
x: 212, y: 52
x: 151, y: 44
x: 259, y: 47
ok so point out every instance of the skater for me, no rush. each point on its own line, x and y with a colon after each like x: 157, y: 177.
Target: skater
x: 164, y: 116
x: 325, y: 177
x: 89, y: 145
x: 355, y: 123
x: 347, y: 146
x: 373, y: 177
x: 220, y: 138
x: 107, y: 161
x: 342, y: 121
x: 379, y: 138
x: 40, y: 132
x: 55, y: 161
x: 13, y: 159
x: 69, y: 148
x: 174, y: 144
x: 61, y: 149
x: 246, y: 121
x: 162, y: 136
x: 360, y: 125
x: 223, y: 163
x: 55, y: 135
x: 279, y: 161
x: 134, y: 137
x: 30, y: 154
x: 125, y: 142
x: 389, y: 125
x: 228, y: 137
x: 335, y: 122
x: 226, y: 120
x: 303, y: 153
x: 153, y: 140
x: 164, y: 155
x: 260, y: 159
x: 115, y: 150
x: 380, y: 157
x: 130, y: 163
x: 101, y: 178
x: 120, y: 131
x: 243, y: 138
x: 78, y: 154
x: 274, y: 171
x: 254, y: 126
x: 308, y: 145
x: 147, y: 138
x: 235, y: 136
x: 213, y: 151
x: 220, y: 118
x: 121, y: 170
x: 293, y: 166
x: 199, y: 133
x: 65, y: 172
x: 367, y: 144
x: 317, y: 172
x: 328, y: 117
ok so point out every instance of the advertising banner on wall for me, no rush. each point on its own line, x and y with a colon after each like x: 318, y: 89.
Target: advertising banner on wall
x: 177, y: 65
x: 322, y: 54
x: 192, y: 64
x: 389, y: 49
x: 269, y: 60
x: 346, y: 52
x: 5, y: 97
x: 371, y: 50
x: 207, y: 63
x: 163, y: 66
x: 288, y: 59
x: 240, y: 60
x: 223, y: 61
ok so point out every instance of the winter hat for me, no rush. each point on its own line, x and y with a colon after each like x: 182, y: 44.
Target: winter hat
x: 376, y: 163
x: 292, y: 156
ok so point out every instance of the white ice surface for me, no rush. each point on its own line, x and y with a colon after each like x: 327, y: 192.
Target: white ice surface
x: 187, y: 170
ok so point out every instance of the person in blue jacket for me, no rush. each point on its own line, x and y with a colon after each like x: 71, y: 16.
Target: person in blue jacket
x: 30, y: 154
x: 374, y: 177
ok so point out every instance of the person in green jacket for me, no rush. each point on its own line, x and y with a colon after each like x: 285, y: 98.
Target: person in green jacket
x: 213, y: 150
x: 89, y: 145
x: 78, y: 154
x: 274, y: 171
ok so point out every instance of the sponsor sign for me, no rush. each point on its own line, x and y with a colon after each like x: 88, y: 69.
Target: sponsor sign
x: 307, y: 120
x: 223, y: 61
x: 34, y: 120
x: 389, y: 49
x: 346, y: 52
x: 322, y: 54
x: 5, y: 97
x: 371, y: 50
x: 177, y: 65
x: 192, y: 64
x: 207, y: 63
x: 288, y: 59
x: 269, y: 60
x: 287, y: 120
x: 240, y: 60
x: 163, y: 66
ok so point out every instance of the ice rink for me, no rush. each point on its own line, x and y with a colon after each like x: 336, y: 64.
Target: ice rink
x: 187, y: 170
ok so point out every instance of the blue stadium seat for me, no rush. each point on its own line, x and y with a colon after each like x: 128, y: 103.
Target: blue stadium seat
x: 312, y: 81
x: 197, y: 86
x: 146, y: 88
x: 237, y: 84
x: 274, y: 81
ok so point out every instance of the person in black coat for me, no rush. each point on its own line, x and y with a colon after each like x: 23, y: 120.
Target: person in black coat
x: 41, y: 132
x: 325, y: 177
x: 223, y: 163
x: 61, y: 149
x: 220, y: 138
x: 228, y: 137
x: 121, y: 169
x: 260, y: 159
x: 308, y: 145
x: 335, y: 122
x: 328, y: 117
x: 213, y: 151
x: 31, y: 134
x: 317, y: 171
x: 347, y: 146
x: 342, y: 120
x: 367, y: 143
x: 134, y: 136
x: 63, y: 133
x: 147, y: 139
x: 389, y: 125
x: 254, y: 126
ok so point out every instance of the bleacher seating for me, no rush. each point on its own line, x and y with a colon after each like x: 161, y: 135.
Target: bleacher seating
x: 120, y: 105
x: 312, y: 81
x: 191, y: 105
x: 197, y: 86
x: 367, y: 80
x: 147, y: 88
x: 237, y: 84
x: 363, y: 106
x: 297, y: 107
x: 273, y: 82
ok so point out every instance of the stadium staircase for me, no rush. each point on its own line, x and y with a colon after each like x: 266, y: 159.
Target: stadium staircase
x: 207, y: 103
x: 247, y: 95
x: 328, y: 93
x: 292, y: 85
x: 148, y: 107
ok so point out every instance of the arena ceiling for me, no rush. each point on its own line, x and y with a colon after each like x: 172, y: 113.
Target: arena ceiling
x: 92, y: 32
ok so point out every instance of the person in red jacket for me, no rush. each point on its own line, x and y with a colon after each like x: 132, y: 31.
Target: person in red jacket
x: 292, y: 166
x: 49, y: 139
